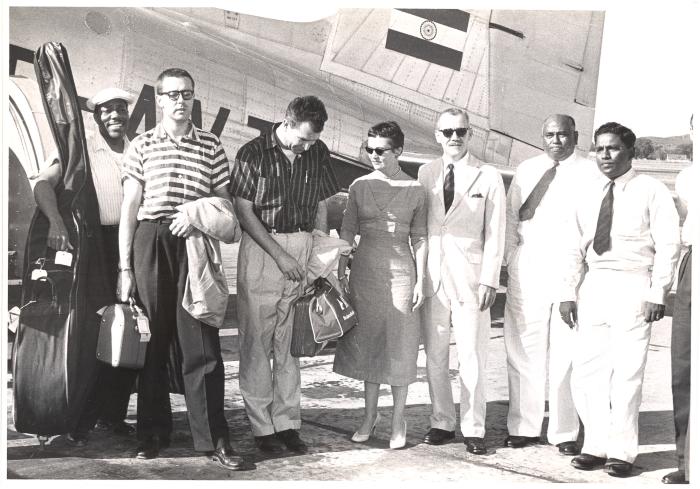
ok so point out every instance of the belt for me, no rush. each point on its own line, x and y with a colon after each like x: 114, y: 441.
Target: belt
x: 296, y: 229
x: 160, y: 220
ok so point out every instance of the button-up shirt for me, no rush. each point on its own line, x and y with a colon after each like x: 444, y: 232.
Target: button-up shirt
x: 556, y: 209
x: 645, y: 235
x: 174, y: 172
x: 285, y: 195
x: 687, y: 180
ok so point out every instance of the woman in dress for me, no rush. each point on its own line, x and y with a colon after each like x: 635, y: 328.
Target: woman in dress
x: 387, y: 208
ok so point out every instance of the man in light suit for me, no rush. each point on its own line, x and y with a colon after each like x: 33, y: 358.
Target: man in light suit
x: 466, y: 227
x: 540, y: 203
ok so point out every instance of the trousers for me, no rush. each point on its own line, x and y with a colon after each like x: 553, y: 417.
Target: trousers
x: 537, y: 343
x: 608, y: 363
x: 160, y: 268
x: 680, y: 356
x: 271, y: 394
x: 471, y: 331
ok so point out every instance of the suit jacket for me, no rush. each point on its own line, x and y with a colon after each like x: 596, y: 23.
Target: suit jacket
x: 465, y: 245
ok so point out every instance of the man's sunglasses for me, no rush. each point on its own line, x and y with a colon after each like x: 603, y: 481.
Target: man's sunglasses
x: 379, y: 151
x: 461, y: 132
x: 175, y: 94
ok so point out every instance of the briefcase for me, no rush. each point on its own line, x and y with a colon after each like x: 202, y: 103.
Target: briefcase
x: 303, y: 342
x: 124, y: 336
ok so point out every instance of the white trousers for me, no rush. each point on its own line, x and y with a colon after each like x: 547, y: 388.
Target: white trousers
x: 265, y: 316
x: 471, y: 332
x: 612, y: 343
x: 537, y: 341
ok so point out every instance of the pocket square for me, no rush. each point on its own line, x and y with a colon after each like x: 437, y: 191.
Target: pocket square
x: 477, y: 196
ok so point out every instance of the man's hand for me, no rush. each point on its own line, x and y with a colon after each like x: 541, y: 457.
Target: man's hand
x: 418, y: 295
x: 181, y: 226
x: 653, y: 312
x: 58, y: 236
x: 487, y: 295
x: 125, y: 285
x: 290, y: 268
x: 569, y: 313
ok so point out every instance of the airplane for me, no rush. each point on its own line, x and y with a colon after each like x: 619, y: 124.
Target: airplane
x: 509, y: 69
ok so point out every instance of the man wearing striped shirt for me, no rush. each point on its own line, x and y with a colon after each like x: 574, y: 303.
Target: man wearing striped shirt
x: 109, y: 398
x: 171, y: 164
x: 280, y: 181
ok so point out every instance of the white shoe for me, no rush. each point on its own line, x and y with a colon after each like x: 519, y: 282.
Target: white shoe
x: 399, y: 441
x: 358, y: 437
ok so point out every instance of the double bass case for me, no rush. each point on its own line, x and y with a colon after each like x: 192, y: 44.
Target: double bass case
x: 54, y: 364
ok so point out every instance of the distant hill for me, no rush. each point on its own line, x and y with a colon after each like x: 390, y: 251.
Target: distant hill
x: 669, y: 141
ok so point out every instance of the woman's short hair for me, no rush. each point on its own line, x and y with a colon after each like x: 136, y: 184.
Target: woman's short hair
x: 389, y: 130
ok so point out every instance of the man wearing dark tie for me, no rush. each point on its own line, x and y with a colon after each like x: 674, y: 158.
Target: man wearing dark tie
x: 466, y: 227
x: 540, y: 203
x: 625, y: 242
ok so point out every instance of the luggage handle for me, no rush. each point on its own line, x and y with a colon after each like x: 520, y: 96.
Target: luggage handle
x: 54, y: 296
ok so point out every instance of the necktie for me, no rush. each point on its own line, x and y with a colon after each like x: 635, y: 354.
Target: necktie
x: 448, y: 187
x: 601, y: 241
x: 527, y: 210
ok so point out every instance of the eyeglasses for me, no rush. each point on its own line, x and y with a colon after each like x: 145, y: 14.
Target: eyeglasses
x: 175, y: 94
x: 379, y: 151
x: 461, y: 132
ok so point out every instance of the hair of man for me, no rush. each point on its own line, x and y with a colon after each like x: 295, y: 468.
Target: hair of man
x: 451, y: 111
x: 308, y: 108
x: 625, y: 134
x: 172, y: 73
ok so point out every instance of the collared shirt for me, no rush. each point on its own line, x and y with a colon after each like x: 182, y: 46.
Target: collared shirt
x: 557, y: 207
x: 645, y: 236
x: 285, y: 195
x: 687, y: 180
x: 105, y: 169
x: 459, y: 170
x: 173, y: 172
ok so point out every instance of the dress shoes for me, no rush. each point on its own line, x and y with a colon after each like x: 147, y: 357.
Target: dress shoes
x: 436, y: 436
x: 677, y: 477
x: 227, y: 459
x: 568, y: 448
x: 150, y: 448
x: 475, y: 445
x: 586, y: 461
x: 358, y: 437
x: 117, y: 427
x: 77, y: 439
x: 515, y: 441
x: 269, y: 444
x: 292, y: 441
x: 398, y: 441
x: 617, y: 468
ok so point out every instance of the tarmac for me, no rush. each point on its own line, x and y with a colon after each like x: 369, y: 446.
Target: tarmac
x: 332, y: 408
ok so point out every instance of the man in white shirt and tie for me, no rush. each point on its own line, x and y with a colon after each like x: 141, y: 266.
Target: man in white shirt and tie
x: 540, y: 203
x: 466, y: 227
x: 626, y: 237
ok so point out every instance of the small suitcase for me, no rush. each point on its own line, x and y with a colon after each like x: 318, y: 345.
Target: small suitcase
x: 124, y: 336
x: 303, y: 342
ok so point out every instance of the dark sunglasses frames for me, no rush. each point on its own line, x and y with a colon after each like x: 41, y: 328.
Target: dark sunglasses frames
x: 175, y: 94
x: 379, y: 151
x: 461, y: 132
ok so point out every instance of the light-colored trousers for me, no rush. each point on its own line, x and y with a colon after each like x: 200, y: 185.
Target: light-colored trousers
x: 537, y: 341
x: 265, y: 315
x: 471, y: 331
x: 612, y: 341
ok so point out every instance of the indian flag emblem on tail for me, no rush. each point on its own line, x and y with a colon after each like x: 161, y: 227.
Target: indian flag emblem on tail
x: 434, y: 35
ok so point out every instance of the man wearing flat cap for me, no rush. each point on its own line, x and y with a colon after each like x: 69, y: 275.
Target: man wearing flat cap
x: 106, y: 142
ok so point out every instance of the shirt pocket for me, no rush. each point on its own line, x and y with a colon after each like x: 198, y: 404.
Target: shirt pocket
x: 269, y: 192
x: 310, y: 189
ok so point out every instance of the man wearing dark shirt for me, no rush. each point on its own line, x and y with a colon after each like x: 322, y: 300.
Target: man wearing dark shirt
x: 280, y: 182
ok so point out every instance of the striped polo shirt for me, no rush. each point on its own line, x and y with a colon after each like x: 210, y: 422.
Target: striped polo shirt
x: 171, y: 172
x: 285, y: 195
